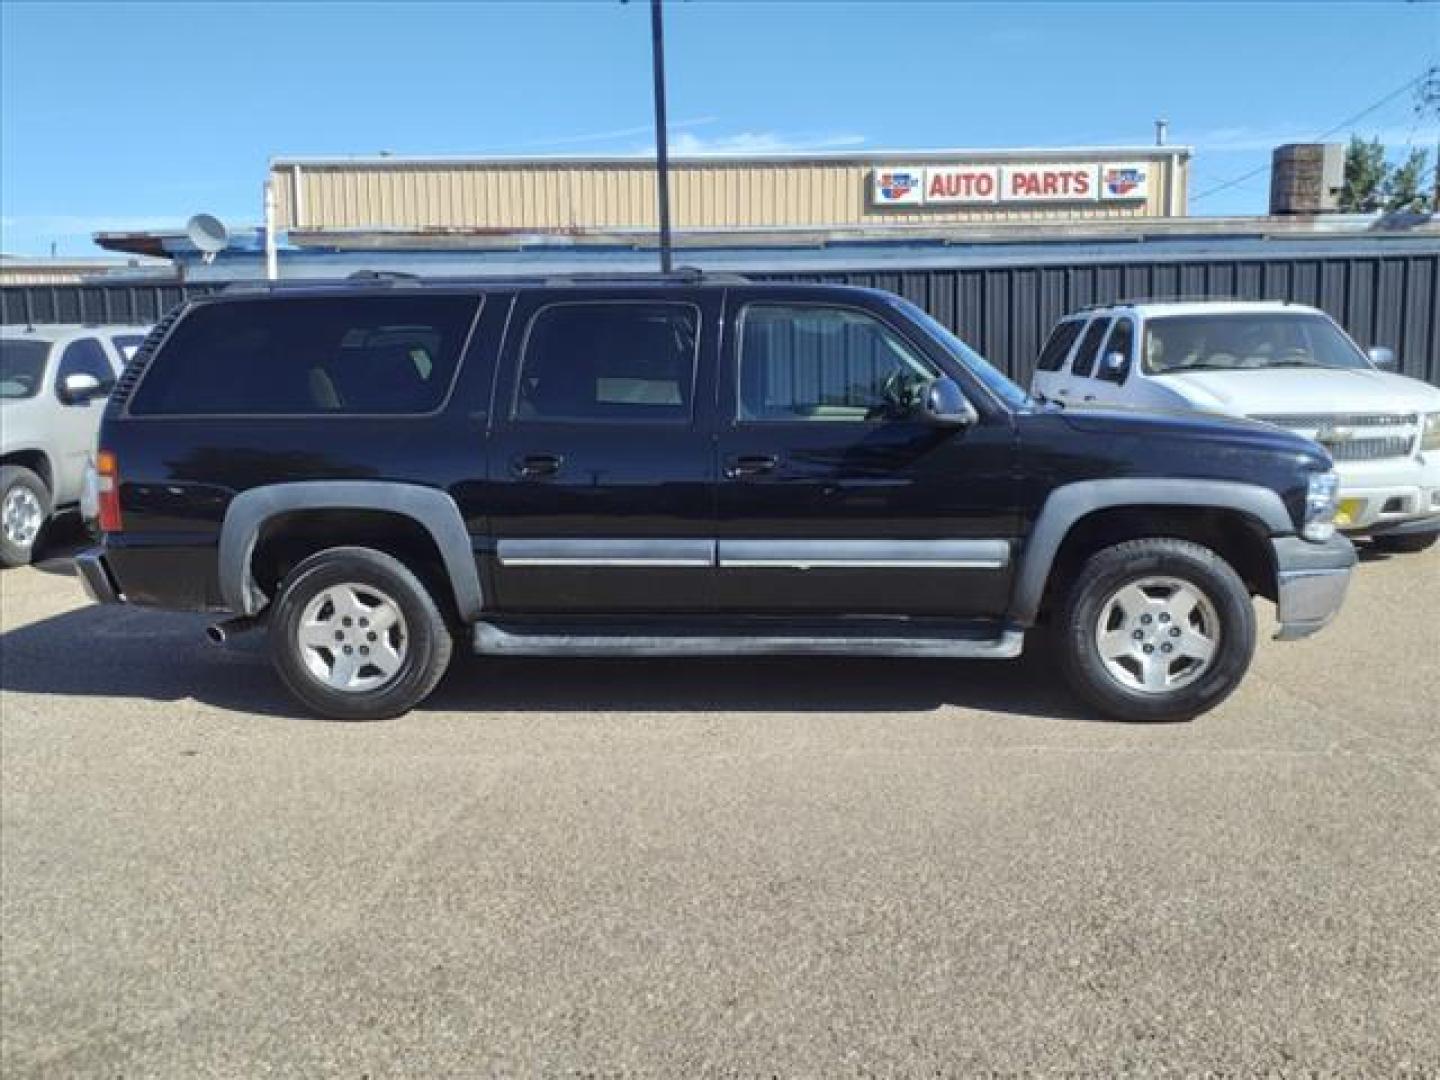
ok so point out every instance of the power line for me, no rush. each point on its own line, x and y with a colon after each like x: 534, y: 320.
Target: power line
x: 1318, y: 138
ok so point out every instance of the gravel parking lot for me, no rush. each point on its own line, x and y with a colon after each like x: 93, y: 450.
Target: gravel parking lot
x: 728, y: 868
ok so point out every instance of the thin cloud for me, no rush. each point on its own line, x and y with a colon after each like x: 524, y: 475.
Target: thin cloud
x: 619, y: 133
x: 758, y: 142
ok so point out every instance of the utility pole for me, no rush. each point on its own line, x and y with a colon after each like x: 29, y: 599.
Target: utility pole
x: 1427, y: 107
x: 662, y: 154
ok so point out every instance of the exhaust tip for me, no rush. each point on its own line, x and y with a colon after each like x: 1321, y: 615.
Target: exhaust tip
x: 216, y: 633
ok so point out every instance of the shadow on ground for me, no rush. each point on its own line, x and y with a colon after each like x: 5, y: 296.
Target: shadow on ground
x: 143, y: 654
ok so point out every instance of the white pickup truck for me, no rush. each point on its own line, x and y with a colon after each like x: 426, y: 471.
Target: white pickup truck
x: 1283, y: 363
x: 53, y: 385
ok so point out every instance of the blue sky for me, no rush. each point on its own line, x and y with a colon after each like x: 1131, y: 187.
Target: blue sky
x: 128, y: 115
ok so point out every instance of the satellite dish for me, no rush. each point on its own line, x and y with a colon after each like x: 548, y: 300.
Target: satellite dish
x: 207, y: 232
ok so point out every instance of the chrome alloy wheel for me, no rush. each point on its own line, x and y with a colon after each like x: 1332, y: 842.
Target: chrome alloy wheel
x: 21, y: 516
x: 1157, y: 634
x: 352, y: 637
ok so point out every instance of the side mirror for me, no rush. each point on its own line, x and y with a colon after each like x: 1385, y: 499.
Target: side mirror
x: 943, y: 402
x: 79, y: 388
x: 1115, y: 366
x: 1382, y: 357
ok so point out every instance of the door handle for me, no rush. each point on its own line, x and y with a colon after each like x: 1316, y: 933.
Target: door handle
x: 1063, y: 392
x: 533, y: 466
x: 751, y: 465
x: 1089, y: 397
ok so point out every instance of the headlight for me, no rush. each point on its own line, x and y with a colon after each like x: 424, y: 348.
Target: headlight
x: 1321, y: 499
x: 1430, y: 432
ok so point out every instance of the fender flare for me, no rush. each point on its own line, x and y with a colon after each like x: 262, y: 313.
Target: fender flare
x: 1068, y: 504
x: 432, y: 509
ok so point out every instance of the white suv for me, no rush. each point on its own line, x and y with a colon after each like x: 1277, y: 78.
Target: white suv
x: 1283, y: 363
x: 53, y: 385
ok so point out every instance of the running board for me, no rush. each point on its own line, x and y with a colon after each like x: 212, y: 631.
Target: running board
x: 863, y: 637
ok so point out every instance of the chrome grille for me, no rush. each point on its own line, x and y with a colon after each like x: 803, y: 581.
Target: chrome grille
x: 1355, y: 436
x: 1318, y: 420
x: 1369, y: 449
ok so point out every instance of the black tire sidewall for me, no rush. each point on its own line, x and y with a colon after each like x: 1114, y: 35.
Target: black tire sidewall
x: 10, y: 477
x: 1108, y: 571
x: 1405, y: 544
x: 429, y: 640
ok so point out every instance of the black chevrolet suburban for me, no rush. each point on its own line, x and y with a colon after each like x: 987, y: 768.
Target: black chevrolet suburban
x: 379, y: 469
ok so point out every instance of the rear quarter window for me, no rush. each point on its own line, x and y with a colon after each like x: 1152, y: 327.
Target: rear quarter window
x: 305, y: 356
x: 1052, y: 356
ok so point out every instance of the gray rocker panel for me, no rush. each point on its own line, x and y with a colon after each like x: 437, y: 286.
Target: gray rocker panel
x: 433, y: 509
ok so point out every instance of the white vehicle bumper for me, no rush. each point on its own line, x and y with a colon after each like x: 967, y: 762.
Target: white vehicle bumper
x: 1396, y: 495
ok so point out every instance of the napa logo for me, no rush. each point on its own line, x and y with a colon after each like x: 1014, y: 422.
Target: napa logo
x: 896, y: 186
x: 1123, y: 181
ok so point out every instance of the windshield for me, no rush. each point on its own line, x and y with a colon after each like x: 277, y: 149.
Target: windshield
x: 22, y: 367
x: 978, y: 366
x: 1247, y: 341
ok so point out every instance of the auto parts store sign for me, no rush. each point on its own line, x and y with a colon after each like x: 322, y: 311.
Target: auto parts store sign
x: 959, y: 185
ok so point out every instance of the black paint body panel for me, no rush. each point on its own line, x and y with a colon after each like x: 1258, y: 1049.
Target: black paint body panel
x: 901, y: 480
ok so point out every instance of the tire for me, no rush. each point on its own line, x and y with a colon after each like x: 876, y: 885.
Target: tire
x: 325, y: 605
x: 23, y: 495
x: 1146, y: 588
x: 1407, y: 544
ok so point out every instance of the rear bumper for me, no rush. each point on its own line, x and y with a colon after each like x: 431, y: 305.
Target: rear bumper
x: 1311, y: 580
x: 96, y: 579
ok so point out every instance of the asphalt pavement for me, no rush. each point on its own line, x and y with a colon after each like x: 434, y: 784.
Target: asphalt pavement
x: 726, y: 868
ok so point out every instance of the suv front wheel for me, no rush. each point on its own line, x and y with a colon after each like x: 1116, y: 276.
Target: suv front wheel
x: 1156, y: 629
x: 24, y: 509
x: 356, y: 636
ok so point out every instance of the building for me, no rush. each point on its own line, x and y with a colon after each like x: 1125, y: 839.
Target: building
x: 874, y: 191
x: 74, y: 270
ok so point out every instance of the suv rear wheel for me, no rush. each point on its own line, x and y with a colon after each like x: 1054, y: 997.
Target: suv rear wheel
x: 24, y: 508
x: 356, y: 636
x: 1156, y: 629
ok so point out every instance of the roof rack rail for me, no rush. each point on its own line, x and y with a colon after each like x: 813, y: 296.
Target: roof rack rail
x: 372, y: 278
x: 1184, y: 298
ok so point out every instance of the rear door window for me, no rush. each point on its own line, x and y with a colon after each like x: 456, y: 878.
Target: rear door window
x: 1122, y: 341
x: 1052, y: 356
x: 374, y: 355
x: 1089, y: 349
x: 609, y: 360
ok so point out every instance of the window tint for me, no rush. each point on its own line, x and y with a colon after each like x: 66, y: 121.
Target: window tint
x: 310, y: 355
x: 818, y: 363
x: 22, y: 367
x: 1052, y: 356
x: 609, y: 361
x: 1121, y: 340
x: 85, y: 356
x: 127, y: 345
x: 1090, y: 347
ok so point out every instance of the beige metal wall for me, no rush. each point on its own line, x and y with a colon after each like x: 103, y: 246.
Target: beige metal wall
x: 466, y: 195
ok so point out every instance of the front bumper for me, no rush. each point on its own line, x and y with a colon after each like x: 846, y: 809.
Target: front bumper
x: 1377, y: 496
x: 96, y: 579
x: 1310, y: 583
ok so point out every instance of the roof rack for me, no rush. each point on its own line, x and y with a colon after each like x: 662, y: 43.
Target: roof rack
x: 372, y: 278
x: 1182, y: 298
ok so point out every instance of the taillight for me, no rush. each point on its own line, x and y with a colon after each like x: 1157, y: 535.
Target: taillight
x: 107, y: 473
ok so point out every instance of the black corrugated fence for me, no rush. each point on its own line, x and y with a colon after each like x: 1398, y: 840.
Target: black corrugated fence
x: 1004, y: 311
